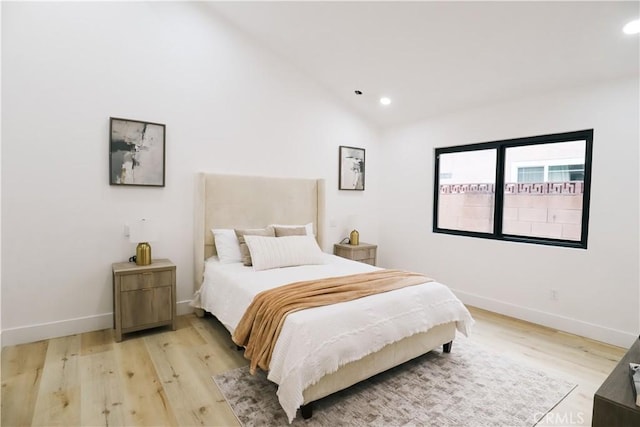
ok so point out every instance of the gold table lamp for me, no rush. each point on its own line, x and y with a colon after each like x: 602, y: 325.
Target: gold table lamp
x: 354, y: 238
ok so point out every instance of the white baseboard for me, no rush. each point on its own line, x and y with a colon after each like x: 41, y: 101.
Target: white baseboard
x: 555, y: 321
x: 61, y: 328
x: 183, y: 307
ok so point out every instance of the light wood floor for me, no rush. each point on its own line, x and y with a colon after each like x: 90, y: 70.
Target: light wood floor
x: 163, y: 377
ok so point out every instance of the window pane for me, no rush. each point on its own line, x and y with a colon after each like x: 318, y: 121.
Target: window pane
x: 467, y: 190
x: 566, y: 173
x: 550, y: 207
x: 531, y: 174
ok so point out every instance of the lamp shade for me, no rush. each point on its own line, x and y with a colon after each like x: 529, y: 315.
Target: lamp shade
x: 352, y: 221
x: 143, y: 230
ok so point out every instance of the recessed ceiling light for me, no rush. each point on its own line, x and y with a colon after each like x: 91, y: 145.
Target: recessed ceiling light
x: 632, y: 27
x: 385, y: 101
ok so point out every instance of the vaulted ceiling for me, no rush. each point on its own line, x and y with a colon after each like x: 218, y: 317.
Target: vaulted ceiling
x: 433, y: 58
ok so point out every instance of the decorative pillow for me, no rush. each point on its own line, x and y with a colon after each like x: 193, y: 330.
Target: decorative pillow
x: 290, y: 231
x: 275, y: 252
x: 227, y: 245
x: 308, y: 227
x: 244, y: 250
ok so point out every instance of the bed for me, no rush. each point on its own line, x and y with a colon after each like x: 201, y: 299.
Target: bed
x: 224, y: 290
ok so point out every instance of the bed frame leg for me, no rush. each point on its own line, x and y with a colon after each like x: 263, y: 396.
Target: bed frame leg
x: 199, y: 312
x: 446, y: 347
x: 306, y: 410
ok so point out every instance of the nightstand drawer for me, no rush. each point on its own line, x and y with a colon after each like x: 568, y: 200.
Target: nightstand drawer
x: 151, y: 279
x: 145, y: 306
x: 364, y: 252
x: 361, y: 254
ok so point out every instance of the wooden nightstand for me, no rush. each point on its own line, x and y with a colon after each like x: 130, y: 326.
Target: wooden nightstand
x: 143, y: 296
x: 364, y: 252
x: 614, y: 403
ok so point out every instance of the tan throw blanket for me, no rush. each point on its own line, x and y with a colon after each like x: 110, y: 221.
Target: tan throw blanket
x: 260, y: 325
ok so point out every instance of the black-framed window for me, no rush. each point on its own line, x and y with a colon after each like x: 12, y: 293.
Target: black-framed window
x: 533, y: 190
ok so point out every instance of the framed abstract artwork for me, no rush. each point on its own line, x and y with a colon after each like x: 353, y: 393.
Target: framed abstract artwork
x: 136, y: 153
x: 352, y: 167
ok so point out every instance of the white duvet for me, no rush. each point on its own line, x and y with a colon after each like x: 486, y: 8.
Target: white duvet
x: 317, y: 341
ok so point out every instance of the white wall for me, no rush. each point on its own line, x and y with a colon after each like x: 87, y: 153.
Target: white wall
x: 229, y: 107
x: 598, y: 288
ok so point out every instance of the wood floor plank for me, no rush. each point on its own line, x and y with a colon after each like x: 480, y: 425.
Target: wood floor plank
x: 189, y: 390
x: 102, y: 397
x: 207, y: 362
x: 58, y: 401
x: 96, y: 342
x: 227, y: 356
x: 145, y: 402
x: 22, y: 367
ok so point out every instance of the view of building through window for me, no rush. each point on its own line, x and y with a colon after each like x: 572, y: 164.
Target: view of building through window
x: 535, y: 208
x: 541, y: 187
x: 531, y: 174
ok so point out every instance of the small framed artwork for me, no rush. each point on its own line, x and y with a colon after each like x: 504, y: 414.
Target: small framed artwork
x: 352, y: 164
x: 136, y: 153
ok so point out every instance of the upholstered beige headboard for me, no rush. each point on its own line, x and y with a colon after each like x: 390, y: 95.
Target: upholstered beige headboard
x: 235, y: 201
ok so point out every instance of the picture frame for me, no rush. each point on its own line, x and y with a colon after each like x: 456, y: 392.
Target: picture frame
x: 136, y: 153
x: 352, y: 168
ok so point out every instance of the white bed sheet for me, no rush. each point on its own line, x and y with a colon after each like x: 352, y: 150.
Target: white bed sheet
x: 316, y: 342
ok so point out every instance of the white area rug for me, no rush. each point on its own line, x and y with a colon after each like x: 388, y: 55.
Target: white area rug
x: 468, y: 387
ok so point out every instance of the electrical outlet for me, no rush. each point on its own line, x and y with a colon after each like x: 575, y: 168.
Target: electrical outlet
x: 553, y: 294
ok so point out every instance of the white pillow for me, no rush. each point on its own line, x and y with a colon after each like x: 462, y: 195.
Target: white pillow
x: 308, y: 227
x: 274, y: 252
x: 227, y: 245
